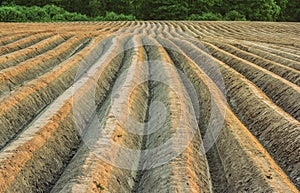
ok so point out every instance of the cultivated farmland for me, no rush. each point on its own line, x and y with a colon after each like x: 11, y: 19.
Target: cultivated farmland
x: 150, y: 107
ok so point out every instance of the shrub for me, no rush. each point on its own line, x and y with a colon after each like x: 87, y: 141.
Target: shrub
x: 11, y: 14
x: 53, y: 10
x: 59, y: 14
x: 112, y: 16
x: 208, y: 16
x: 234, y: 16
x: 38, y: 14
x: 35, y: 14
x: 58, y: 17
x: 75, y: 17
x: 16, y: 13
x: 99, y: 18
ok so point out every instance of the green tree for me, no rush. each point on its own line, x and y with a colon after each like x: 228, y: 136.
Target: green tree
x: 168, y: 10
x: 207, y: 16
x: 201, y: 6
x: 258, y: 10
x: 263, y: 10
x: 282, y: 4
x: 255, y: 10
x: 292, y: 12
x: 234, y: 16
x: 11, y: 14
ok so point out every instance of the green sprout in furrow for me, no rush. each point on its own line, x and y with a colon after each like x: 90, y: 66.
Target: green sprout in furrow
x: 25, y: 71
x: 18, y: 109
x: 235, y: 144
x: 14, y: 58
x: 270, y: 124
x: 40, y: 153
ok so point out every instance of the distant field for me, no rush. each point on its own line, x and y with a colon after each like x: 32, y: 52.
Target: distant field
x: 80, y: 103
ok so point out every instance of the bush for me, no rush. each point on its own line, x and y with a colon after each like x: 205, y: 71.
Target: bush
x: 75, y: 17
x: 209, y: 16
x: 58, y: 17
x: 234, y: 16
x: 59, y: 14
x: 176, y: 11
x: 53, y: 10
x: 112, y: 16
x: 17, y: 13
x: 99, y: 18
x: 38, y: 14
x: 11, y: 14
x: 35, y: 14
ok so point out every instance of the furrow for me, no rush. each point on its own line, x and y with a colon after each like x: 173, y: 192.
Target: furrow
x: 177, y: 159
x: 273, y: 127
x: 283, y: 93
x: 21, y: 106
x: 103, y: 162
x: 285, y: 72
x: 23, y: 43
x: 283, y: 54
x: 287, y: 49
x: 269, y: 56
x: 25, y: 71
x: 14, y: 58
x: 25, y: 164
x: 13, y: 38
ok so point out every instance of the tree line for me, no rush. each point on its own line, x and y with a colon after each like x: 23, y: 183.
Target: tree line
x: 253, y: 10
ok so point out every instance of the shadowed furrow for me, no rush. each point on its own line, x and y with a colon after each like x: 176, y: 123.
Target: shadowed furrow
x: 272, y: 126
x: 44, y: 137
x: 18, y: 109
x: 285, y: 72
x: 269, y: 56
x: 13, y: 58
x: 29, y: 69
x: 280, y: 91
x: 179, y: 135
x: 97, y: 165
x: 23, y: 43
x: 240, y: 166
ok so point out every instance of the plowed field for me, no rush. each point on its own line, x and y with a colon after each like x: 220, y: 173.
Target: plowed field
x: 150, y: 107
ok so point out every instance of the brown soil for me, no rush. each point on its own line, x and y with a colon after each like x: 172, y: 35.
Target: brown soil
x: 57, y: 107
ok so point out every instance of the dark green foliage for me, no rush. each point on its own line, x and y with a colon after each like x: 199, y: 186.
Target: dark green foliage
x: 234, y: 16
x: 263, y: 10
x: 112, y: 16
x: 66, y: 10
x: 11, y: 14
x: 206, y: 17
x: 69, y: 17
x: 38, y: 14
x: 283, y: 6
x: 164, y: 10
x: 292, y: 12
x: 35, y: 14
x: 204, y: 6
x: 53, y: 10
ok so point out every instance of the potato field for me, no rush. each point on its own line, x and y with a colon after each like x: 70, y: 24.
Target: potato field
x: 150, y: 106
